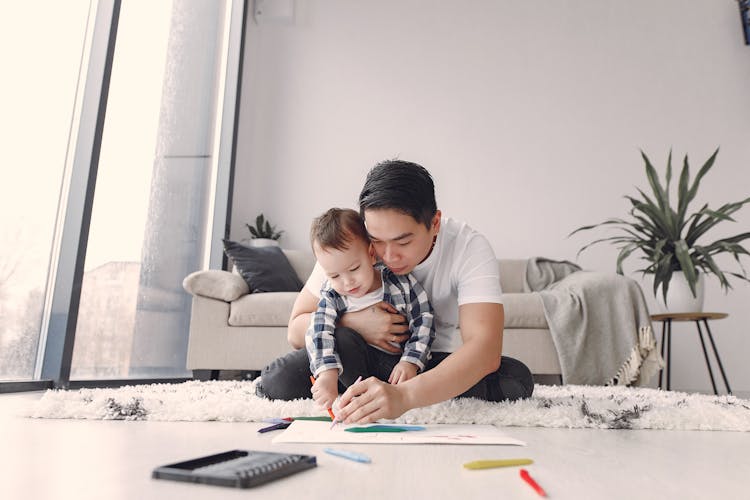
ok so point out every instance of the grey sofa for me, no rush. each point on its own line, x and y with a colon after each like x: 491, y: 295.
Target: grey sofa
x: 231, y: 329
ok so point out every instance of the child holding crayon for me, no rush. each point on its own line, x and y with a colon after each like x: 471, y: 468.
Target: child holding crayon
x: 354, y: 282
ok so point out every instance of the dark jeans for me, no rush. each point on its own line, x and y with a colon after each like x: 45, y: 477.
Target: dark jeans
x: 288, y: 377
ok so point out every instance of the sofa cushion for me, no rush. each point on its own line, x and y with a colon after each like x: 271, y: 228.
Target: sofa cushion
x: 524, y: 310
x: 512, y: 274
x: 302, y: 261
x: 265, y: 269
x: 262, y: 309
x: 215, y: 284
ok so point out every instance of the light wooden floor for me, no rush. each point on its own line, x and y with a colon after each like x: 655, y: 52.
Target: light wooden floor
x: 69, y: 459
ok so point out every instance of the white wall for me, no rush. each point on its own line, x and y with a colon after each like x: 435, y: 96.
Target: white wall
x: 529, y: 115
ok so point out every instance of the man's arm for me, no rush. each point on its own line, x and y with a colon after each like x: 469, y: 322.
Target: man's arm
x: 305, y: 304
x: 482, y: 333
x: 378, y: 324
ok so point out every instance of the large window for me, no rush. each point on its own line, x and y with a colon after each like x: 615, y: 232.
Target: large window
x: 123, y: 203
x: 94, y: 249
x: 37, y: 98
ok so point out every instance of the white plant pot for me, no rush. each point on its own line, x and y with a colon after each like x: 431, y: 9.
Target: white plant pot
x: 679, y: 297
x: 262, y: 242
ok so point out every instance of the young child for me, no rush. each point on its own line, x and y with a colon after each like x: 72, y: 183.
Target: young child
x: 354, y: 282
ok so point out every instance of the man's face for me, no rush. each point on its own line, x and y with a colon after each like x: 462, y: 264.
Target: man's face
x: 400, y: 241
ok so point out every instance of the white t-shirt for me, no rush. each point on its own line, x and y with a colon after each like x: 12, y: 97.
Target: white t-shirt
x: 462, y: 269
x: 354, y: 304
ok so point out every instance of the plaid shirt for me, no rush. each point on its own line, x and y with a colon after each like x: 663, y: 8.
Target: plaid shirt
x: 403, y: 292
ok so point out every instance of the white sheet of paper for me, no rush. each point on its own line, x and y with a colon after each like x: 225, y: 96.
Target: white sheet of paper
x: 306, y: 431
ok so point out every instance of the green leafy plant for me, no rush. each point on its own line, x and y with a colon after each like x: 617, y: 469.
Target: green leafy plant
x: 263, y: 229
x: 667, y: 237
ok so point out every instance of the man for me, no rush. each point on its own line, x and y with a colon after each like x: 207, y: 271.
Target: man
x: 459, y: 271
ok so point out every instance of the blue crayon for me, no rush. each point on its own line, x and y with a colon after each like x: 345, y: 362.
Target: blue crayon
x: 357, y: 457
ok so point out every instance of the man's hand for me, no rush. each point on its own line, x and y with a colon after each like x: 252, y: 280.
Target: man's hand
x: 402, y: 372
x: 325, y: 389
x: 378, y: 325
x: 372, y: 399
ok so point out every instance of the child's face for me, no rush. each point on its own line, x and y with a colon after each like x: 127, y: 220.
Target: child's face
x: 350, y: 271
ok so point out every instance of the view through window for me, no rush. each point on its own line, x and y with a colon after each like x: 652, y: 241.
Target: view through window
x: 41, y: 48
x: 106, y: 316
x: 154, y: 180
x: 151, y: 197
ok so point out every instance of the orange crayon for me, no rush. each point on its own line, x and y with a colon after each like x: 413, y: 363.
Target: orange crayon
x: 330, y: 410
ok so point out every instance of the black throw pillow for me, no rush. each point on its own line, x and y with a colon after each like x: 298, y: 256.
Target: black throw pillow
x: 265, y: 269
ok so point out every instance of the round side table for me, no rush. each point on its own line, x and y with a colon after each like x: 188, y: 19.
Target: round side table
x: 666, y: 339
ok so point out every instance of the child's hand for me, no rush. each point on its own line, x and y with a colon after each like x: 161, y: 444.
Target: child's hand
x: 325, y: 389
x: 402, y: 372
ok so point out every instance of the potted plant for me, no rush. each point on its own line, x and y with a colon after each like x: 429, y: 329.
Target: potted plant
x: 263, y: 233
x: 668, y: 239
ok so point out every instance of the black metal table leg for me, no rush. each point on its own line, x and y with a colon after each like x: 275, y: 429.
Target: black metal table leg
x: 716, y: 353
x: 666, y: 345
x: 663, y: 344
x: 705, y: 355
x: 669, y: 354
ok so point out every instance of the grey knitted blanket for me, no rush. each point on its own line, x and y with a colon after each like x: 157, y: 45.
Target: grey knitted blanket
x: 599, y: 323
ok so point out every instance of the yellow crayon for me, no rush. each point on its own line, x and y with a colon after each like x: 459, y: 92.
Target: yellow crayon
x: 489, y: 464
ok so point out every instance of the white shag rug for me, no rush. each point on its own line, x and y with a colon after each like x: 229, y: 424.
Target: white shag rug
x: 567, y: 406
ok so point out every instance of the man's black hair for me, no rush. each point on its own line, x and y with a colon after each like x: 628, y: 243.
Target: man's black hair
x: 400, y: 185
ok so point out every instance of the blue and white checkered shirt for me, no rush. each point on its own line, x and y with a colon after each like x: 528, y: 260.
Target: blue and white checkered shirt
x: 403, y: 292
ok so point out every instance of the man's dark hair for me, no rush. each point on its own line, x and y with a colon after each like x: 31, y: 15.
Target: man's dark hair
x: 337, y: 228
x: 400, y: 185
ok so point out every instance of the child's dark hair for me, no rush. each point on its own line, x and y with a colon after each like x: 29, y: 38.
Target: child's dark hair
x: 400, y: 185
x: 337, y: 228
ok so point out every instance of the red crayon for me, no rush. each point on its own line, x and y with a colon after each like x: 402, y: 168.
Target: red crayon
x: 530, y: 481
